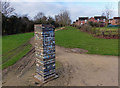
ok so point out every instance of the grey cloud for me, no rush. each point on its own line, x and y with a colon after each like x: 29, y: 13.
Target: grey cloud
x: 51, y: 9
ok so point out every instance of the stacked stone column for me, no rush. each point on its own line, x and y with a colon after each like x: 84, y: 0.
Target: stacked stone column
x: 44, y: 52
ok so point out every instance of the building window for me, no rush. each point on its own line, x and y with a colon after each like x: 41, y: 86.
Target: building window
x: 85, y: 21
x: 109, y: 21
x: 98, y: 20
x: 103, y: 20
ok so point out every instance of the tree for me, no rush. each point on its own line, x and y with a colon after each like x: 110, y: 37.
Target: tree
x: 14, y: 24
x: 63, y: 18
x: 51, y: 20
x: 44, y: 20
x: 39, y: 16
x: 6, y: 8
x: 107, y: 11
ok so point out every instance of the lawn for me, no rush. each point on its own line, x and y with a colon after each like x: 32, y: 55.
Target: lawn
x: 73, y: 38
x: 107, y: 28
x: 11, y: 50
x: 16, y: 57
x: 0, y: 45
x: 11, y: 42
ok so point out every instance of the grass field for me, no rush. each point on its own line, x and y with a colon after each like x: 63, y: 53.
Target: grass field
x: 107, y: 28
x: 11, y: 50
x: 11, y: 42
x: 73, y: 38
x: 0, y: 45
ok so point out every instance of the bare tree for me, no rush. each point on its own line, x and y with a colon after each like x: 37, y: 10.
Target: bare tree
x: 39, y: 16
x: 103, y: 13
x: 51, y: 20
x: 107, y: 11
x: 7, y: 9
x: 44, y: 19
x: 63, y: 18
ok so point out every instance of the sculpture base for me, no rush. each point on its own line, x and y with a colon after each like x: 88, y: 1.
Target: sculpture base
x: 40, y: 79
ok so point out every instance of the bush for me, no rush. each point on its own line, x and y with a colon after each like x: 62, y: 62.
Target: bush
x: 98, y: 32
x: 86, y: 28
x: 94, y: 24
x: 78, y: 27
x: 93, y: 30
x: 91, y: 23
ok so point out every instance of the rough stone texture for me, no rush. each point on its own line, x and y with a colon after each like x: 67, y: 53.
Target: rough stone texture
x: 44, y: 52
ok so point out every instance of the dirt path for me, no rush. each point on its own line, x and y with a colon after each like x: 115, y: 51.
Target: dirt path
x: 89, y: 70
x: 77, y: 70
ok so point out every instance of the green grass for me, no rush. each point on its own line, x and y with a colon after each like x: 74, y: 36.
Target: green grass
x: 15, y: 58
x: 73, y: 38
x: 0, y: 45
x: 11, y: 42
x: 107, y: 28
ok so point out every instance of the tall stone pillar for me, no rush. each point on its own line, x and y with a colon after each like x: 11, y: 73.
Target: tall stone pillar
x: 44, y: 52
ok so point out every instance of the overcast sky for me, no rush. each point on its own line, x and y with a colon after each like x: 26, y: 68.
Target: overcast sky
x: 76, y: 9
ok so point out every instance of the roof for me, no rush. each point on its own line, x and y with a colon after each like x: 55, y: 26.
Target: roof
x: 110, y: 19
x: 91, y: 17
x: 99, y: 17
x: 83, y: 18
x: 116, y: 18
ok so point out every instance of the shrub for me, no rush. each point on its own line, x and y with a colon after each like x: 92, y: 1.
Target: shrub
x: 93, y: 31
x: 93, y: 24
x: 98, y: 32
x: 86, y: 28
x: 96, y: 24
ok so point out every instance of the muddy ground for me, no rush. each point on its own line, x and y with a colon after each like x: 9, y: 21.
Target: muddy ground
x: 77, y: 69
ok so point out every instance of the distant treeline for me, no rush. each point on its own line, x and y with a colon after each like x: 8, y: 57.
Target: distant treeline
x: 13, y: 24
x: 20, y: 24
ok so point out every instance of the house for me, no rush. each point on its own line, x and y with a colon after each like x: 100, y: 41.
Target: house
x: 115, y: 21
x: 76, y: 23
x: 92, y: 19
x: 95, y: 19
x: 110, y: 21
x: 83, y: 20
x: 73, y: 22
x: 100, y: 18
